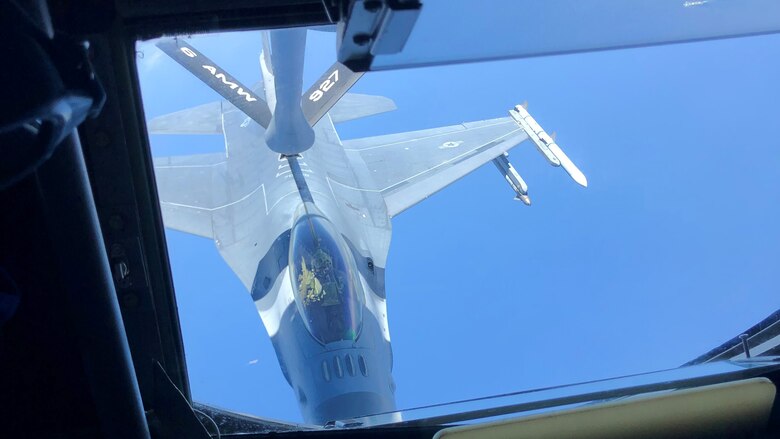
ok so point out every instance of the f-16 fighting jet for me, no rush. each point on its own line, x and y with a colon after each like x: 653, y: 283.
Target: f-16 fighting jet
x: 303, y: 218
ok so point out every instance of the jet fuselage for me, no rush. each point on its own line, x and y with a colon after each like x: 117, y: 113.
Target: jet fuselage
x: 318, y: 286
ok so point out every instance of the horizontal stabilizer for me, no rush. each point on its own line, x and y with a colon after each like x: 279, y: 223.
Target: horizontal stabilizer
x: 354, y: 106
x: 203, y: 119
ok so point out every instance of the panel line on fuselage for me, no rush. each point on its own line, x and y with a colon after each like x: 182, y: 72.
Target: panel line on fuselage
x: 295, y: 192
x: 212, y: 209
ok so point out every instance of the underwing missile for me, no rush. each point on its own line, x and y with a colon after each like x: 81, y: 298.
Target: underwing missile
x: 513, y: 178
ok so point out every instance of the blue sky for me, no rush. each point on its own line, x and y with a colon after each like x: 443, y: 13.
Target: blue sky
x: 671, y: 250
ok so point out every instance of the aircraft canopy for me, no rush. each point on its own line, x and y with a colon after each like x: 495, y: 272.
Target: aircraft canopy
x: 324, y: 280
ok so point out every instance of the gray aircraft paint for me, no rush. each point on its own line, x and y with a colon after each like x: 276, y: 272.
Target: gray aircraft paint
x: 249, y: 198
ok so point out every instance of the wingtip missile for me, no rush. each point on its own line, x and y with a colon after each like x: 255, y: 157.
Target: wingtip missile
x: 533, y: 131
x: 569, y: 166
x: 546, y: 144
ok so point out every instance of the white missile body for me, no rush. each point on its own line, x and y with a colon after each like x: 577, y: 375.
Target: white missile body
x: 546, y: 144
x: 513, y: 178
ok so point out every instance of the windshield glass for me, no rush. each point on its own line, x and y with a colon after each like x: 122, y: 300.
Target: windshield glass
x: 324, y: 280
x: 671, y: 250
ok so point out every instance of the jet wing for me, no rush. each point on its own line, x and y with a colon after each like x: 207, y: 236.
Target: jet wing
x: 185, y: 186
x: 409, y: 167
